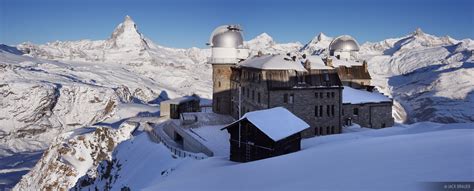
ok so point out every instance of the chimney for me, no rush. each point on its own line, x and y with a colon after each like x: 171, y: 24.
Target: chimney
x: 307, y: 65
x: 329, y: 62
x: 364, y: 64
x: 260, y: 53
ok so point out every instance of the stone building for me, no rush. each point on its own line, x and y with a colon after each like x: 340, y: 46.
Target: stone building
x: 311, y: 87
x: 313, y: 93
x: 173, y: 108
x: 227, y: 50
x: 368, y: 109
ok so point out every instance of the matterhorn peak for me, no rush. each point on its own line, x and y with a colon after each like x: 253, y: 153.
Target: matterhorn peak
x: 126, y: 35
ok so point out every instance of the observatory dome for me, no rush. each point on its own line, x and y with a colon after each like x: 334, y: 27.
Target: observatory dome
x: 226, y: 36
x: 344, y: 43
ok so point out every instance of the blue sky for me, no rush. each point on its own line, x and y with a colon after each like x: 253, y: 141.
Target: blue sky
x: 187, y: 23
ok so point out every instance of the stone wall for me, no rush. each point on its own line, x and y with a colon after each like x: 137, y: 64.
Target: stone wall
x: 327, y: 102
x: 371, y: 115
x: 221, y: 96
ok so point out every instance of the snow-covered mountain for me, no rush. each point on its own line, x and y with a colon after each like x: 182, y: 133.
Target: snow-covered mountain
x: 429, y: 77
x: 267, y: 45
x: 72, y: 155
x: 319, y: 45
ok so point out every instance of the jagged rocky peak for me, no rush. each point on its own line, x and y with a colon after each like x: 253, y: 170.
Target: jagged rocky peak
x: 126, y: 35
x: 264, y: 36
x: 321, y: 36
x: 262, y: 40
x: 418, y: 32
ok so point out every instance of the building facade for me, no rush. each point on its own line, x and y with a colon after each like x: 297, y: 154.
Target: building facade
x: 309, y: 87
x: 312, y: 94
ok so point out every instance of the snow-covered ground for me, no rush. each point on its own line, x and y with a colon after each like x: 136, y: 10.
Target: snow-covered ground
x: 403, y: 157
x: 398, y: 158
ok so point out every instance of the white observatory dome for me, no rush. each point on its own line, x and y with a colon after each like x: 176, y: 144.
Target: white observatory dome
x: 227, y: 45
x: 344, y: 43
x: 226, y: 36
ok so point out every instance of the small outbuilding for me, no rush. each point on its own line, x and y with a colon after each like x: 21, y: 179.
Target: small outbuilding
x: 265, y: 133
x: 175, y: 107
x: 368, y: 109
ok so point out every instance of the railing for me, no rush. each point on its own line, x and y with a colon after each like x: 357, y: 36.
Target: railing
x: 159, y: 137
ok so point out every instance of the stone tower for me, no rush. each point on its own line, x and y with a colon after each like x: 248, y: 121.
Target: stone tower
x: 227, y: 50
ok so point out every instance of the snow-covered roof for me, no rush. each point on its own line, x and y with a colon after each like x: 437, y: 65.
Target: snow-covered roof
x: 277, y: 123
x: 317, y: 63
x: 273, y: 62
x: 180, y: 100
x: 343, y: 62
x: 354, y: 96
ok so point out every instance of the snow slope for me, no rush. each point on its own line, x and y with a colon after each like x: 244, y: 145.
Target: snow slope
x: 398, y: 158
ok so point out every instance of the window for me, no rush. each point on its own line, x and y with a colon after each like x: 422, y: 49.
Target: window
x: 243, y: 91
x: 292, y: 98
x: 219, y: 84
x: 356, y: 111
x: 217, y: 104
x: 321, y: 95
x: 327, y: 130
x: 333, y: 94
x: 327, y: 110
x: 253, y: 95
x: 285, y: 98
x: 326, y: 77
x: 316, y: 131
x: 328, y: 94
x: 258, y: 97
x: 320, y: 111
x: 248, y: 93
x: 300, y: 76
x: 316, y: 111
x: 316, y: 95
x: 332, y: 110
x: 333, y: 130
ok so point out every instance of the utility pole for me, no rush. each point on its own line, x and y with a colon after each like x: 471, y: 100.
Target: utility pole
x: 240, y: 110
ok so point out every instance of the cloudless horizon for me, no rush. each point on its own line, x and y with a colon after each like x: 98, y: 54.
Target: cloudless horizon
x: 187, y: 23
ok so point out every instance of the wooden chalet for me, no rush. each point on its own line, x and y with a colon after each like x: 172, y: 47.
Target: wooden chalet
x: 265, y: 133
